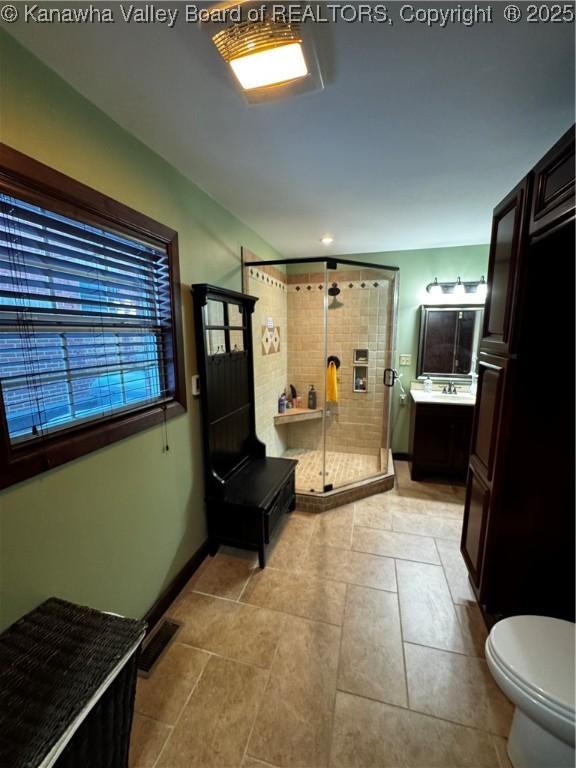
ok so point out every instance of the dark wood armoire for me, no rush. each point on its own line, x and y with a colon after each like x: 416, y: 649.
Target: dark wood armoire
x: 518, y: 533
x: 246, y: 492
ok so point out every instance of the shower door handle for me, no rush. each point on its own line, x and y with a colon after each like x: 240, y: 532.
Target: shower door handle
x: 390, y: 376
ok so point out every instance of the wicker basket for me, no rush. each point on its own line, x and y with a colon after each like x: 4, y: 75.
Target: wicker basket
x: 55, y: 663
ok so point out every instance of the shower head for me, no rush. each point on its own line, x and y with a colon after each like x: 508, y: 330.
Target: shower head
x: 334, y: 290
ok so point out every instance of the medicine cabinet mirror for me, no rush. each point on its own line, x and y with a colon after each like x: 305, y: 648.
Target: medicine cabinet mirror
x: 449, y: 340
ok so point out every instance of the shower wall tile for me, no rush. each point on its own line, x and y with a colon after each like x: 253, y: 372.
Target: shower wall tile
x: 356, y: 424
x: 270, y: 371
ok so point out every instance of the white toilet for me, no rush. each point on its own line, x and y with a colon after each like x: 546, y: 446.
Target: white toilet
x: 532, y: 660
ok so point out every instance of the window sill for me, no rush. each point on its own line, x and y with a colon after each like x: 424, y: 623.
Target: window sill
x: 22, y: 462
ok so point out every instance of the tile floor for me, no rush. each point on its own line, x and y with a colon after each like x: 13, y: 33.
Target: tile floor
x: 341, y: 468
x: 359, y: 646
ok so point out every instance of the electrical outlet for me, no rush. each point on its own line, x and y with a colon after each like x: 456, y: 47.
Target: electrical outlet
x: 405, y: 359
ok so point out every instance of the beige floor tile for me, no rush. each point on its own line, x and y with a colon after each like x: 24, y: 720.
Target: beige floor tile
x: 351, y: 567
x: 372, y: 517
x: 303, y: 514
x: 457, y: 688
x: 379, y: 501
x: 501, y: 746
x: 368, y: 734
x: 435, y: 507
x: 216, y: 722
x: 426, y: 608
x: 473, y: 626
x: 298, y: 594
x: 224, y: 575
x: 427, y: 525
x: 334, y: 527
x: 418, y: 489
x: 164, y: 693
x: 393, y: 544
x: 288, y: 547
x: 371, y: 654
x: 146, y: 741
x: 229, y: 629
x: 293, y: 727
x: 456, y: 571
x: 250, y: 762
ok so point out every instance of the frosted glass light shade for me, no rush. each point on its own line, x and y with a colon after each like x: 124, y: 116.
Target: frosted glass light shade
x: 270, y: 67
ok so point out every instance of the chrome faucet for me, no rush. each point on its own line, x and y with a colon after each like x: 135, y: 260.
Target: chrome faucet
x: 450, y: 389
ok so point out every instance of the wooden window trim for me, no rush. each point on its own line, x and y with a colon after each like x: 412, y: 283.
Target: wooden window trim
x: 30, y: 180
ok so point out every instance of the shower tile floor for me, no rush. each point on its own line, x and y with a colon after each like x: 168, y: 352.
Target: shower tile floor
x: 341, y: 468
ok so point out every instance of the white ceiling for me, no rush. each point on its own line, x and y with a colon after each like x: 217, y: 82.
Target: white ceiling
x: 417, y: 135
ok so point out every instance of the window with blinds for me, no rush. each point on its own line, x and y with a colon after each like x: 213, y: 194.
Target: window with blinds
x: 91, y: 344
x: 83, y: 318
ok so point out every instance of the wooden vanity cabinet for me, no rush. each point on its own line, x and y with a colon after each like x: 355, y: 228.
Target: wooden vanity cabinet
x: 440, y: 441
x: 518, y: 528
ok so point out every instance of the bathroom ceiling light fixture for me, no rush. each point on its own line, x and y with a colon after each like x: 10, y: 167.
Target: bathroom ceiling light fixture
x: 327, y: 240
x: 263, y: 53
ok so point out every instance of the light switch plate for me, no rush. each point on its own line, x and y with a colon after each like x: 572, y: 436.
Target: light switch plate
x: 405, y: 359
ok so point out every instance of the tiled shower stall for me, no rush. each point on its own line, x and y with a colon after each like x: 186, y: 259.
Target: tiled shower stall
x: 306, y: 314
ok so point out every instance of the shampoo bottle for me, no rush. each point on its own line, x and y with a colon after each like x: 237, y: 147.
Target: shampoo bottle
x: 312, y: 398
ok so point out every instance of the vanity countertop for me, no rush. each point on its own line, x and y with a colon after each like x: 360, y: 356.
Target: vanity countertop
x: 437, y: 398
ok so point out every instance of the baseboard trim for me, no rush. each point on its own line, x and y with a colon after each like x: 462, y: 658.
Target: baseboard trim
x: 401, y: 456
x: 173, y: 589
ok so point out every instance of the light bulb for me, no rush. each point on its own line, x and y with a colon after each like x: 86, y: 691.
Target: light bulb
x: 434, y: 289
x: 459, y: 289
x: 482, y: 289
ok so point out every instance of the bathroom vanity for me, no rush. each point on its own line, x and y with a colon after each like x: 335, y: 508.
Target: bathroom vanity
x: 440, y: 430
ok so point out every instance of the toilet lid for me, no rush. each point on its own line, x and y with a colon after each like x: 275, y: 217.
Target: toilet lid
x: 540, y: 652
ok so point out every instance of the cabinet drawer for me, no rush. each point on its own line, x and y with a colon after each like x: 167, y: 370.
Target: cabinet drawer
x: 282, y: 503
x: 474, y: 526
x: 491, y: 380
x: 553, y: 197
x: 508, y: 235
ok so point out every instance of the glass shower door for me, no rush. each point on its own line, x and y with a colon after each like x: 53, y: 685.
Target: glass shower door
x: 304, y: 424
x: 360, y: 340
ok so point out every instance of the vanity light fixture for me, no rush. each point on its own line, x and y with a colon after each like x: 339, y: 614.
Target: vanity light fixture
x: 473, y: 291
x: 327, y: 240
x: 262, y: 54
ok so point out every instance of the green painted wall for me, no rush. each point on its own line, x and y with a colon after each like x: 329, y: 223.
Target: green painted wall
x: 113, y: 528
x: 417, y: 269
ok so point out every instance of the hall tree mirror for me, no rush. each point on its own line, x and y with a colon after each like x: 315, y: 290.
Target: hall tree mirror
x: 449, y: 340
